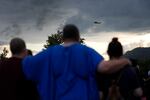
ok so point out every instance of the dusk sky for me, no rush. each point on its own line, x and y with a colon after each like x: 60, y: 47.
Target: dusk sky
x: 34, y: 20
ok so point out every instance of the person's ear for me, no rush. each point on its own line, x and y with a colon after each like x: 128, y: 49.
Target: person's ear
x: 25, y: 52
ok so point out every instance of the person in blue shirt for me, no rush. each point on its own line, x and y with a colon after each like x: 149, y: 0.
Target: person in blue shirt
x: 67, y: 71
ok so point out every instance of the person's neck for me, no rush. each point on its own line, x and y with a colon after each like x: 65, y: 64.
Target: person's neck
x: 17, y: 56
x: 114, y: 58
x: 69, y: 42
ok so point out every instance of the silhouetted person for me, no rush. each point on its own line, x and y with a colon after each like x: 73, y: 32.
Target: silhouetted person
x: 126, y: 79
x: 29, y: 52
x: 139, y: 75
x: 67, y: 71
x: 13, y: 85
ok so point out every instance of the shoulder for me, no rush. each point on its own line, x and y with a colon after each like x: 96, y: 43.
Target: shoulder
x: 128, y: 68
x: 129, y: 71
x: 5, y: 61
x: 89, y: 49
x: 44, y: 52
x: 11, y: 63
x: 79, y: 46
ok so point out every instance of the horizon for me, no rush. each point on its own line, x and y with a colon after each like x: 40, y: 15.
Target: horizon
x: 99, y: 45
x: 98, y: 21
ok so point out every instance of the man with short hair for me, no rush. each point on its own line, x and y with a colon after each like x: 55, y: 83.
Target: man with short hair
x: 13, y: 85
x: 67, y: 71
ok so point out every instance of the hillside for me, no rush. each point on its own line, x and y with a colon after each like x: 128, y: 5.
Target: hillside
x: 140, y: 53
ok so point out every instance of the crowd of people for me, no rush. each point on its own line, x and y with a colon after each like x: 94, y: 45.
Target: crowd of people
x: 69, y: 71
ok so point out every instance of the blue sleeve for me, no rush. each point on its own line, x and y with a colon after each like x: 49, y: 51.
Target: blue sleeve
x: 95, y: 57
x: 34, y: 66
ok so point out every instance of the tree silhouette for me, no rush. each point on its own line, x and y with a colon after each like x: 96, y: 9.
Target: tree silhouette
x: 57, y: 38
x: 3, y: 54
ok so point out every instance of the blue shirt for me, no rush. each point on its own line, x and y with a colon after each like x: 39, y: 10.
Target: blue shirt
x: 64, y: 73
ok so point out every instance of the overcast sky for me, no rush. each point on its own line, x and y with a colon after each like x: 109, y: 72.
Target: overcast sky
x: 33, y: 20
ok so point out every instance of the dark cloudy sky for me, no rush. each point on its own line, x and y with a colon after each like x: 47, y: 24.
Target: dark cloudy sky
x: 35, y: 19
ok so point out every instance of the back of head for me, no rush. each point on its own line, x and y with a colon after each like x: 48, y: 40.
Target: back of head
x: 30, y: 52
x: 17, y: 46
x: 71, y: 32
x: 115, y: 48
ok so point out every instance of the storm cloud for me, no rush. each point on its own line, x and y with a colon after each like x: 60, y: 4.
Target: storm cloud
x: 41, y: 17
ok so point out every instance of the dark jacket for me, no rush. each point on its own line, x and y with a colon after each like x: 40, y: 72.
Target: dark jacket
x: 127, y: 82
x: 13, y: 85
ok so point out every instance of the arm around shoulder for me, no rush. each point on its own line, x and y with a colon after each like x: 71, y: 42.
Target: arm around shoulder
x: 112, y: 65
x: 34, y: 65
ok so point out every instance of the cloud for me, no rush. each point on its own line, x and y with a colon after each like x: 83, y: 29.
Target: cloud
x: 117, y: 15
x: 11, y: 31
x: 41, y: 17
